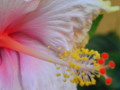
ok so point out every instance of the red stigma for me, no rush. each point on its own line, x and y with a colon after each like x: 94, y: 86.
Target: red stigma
x: 105, y: 55
x: 101, y: 61
x: 112, y: 64
x: 102, y: 71
x: 108, y: 81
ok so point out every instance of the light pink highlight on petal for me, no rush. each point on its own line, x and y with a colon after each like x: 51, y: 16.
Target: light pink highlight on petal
x: 13, y: 10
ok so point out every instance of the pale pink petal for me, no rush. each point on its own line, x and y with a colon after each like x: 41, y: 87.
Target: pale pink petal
x: 13, y: 10
x: 55, y: 22
x: 9, y: 70
x: 37, y: 74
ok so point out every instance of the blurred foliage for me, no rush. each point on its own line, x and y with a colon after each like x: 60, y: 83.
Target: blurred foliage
x: 95, y: 24
x: 111, y: 44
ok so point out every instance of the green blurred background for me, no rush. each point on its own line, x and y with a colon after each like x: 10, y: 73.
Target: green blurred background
x: 109, y: 43
x: 105, y: 37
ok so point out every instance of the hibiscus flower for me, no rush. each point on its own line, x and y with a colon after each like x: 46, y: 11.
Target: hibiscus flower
x: 28, y: 27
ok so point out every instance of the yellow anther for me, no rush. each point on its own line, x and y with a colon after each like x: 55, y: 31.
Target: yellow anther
x: 79, y: 78
x: 77, y: 67
x: 97, y: 56
x: 61, y: 56
x: 80, y: 59
x: 68, y: 51
x: 61, y: 63
x: 85, y: 78
x: 78, y: 51
x: 82, y: 84
x: 51, y: 60
x: 48, y: 47
x: 57, y: 67
x: 71, y: 55
x: 58, y: 74
x: 94, y: 57
x: 87, y: 84
x: 96, y: 68
x: 93, y: 76
x: 98, y: 76
x: 66, y: 75
x: 74, y: 56
x: 72, y: 81
x: 85, y: 58
x: 92, y: 52
x: 94, y: 62
x: 76, y: 81
x: 59, y: 48
x: 70, y: 61
x: 83, y: 74
x: 82, y: 49
x: 93, y: 81
x: 85, y: 51
x: 65, y: 54
x: 68, y: 69
x: 90, y: 83
x: 77, y: 57
x: 72, y: 65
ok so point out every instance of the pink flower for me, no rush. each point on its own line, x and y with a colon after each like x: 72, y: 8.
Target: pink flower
x: 27, y: 27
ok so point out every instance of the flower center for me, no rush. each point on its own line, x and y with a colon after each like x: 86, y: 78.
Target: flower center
x: 84, y: 66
